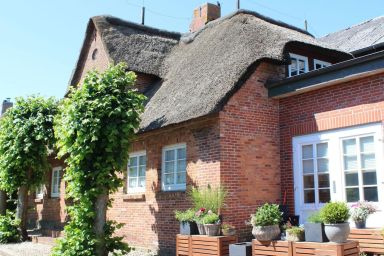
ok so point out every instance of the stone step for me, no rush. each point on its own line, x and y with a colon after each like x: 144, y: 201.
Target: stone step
x: 43, y: 240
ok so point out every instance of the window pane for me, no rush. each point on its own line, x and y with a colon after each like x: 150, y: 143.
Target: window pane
x: 352, y: 179
x: 349, y: 147
x: 367, y: 144
x: 181, y: 166
x: 301, y: 66
x: 307, y: 151
x: 169, y: 167
x: 352, y: 194
x: 308, y: 166
x: 169, y: 155
x: 142, y: 182
x: 350, y: 162
x: 132, y: 171
x: 142, y: 171
x: 322, y: 165
x: 318, y: 66
x: 323, y: 180
x: 308, y: 181
x: 324, y: 195
x: 132, y: 182
x: 368, y: 161
x: 309, y: 196
x: 142, y: 160
x: 293, y: 67
x: 370, y: 194
x: 169, y: 179
x: 133, y: 161
x: 322, y: 149
x: 369, y: 178
x: 181, y: 153
x: 181, y: 177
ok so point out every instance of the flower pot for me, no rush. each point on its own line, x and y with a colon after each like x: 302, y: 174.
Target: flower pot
x: 294, y: 237
x: 201, y: 229
x: 229, y: 232
x: 360, y: 224
x: 337, y: 233
x: 188, y: 228
x: 212, y: 229
x: 266, y: 233
x: 314, y: 232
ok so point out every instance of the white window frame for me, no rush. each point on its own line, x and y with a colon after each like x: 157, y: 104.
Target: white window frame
x: 137, y: 189
x: 173, y: 187
x: 320, y: 62
x: 56, y: 169
x: 298, y: 57
x: 335, y: 152
x: 40, y: 191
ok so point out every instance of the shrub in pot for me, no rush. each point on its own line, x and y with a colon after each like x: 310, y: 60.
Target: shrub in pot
x: 360, y: 212
x: 187, y: 224
x: 228, y: 230
x: 335, y: 216
x: 314, y: 229
x: 266, y: 221
x: 211, y: 224
x: 294, y: 234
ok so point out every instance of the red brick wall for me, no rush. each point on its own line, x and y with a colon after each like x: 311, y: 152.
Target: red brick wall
x: 249, y: 143
x: 347, y: 104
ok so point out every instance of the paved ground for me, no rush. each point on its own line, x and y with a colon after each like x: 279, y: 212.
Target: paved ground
x: 33, y: 249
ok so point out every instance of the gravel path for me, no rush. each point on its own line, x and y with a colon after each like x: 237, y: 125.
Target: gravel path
x: 33, y: 249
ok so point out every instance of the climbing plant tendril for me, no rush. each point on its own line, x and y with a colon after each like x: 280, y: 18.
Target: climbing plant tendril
x: 94, y: 130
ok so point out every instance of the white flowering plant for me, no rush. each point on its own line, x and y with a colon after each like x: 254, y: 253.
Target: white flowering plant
x: 361, y: 210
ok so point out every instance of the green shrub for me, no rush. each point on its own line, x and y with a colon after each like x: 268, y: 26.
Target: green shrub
x: 294, y: 230
x: 267, y: 215
x: 334, y: 212
x: 9, y: 232
x: 209, y: 198
x: 211, y: 218
x: 315, y: 218
x: 185, y: 216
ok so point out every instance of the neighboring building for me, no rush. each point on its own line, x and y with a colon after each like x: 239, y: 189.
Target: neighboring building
x: 245, y: 101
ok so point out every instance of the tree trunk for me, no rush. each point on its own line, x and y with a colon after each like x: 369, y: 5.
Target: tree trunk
x: 100, y: 220
x: 21, y: 210
x: 3, y: 202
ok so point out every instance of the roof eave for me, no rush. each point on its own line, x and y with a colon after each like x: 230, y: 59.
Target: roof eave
x: 341, y: 72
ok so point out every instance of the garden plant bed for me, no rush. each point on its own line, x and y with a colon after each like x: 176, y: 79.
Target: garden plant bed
x: 203, y: 245
x: 370, y: 240
x: 285, y: 248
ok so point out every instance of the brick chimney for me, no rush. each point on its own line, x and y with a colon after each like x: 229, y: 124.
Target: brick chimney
x: 6, y: 105
x: 204, y: 14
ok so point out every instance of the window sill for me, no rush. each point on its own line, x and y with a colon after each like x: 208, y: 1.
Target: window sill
x: 133, y: 197
x: 39, y: 200
x: 165, y: 195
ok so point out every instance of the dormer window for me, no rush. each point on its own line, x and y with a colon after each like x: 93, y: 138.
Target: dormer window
x: 317, y: 64
x: 299, y: 65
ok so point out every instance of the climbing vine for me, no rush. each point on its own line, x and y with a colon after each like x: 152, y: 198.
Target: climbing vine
x: 26, y: 134
x: 94, y: 130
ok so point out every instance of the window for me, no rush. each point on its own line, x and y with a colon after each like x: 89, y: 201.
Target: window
x: 359, y: 167
x: 299, y: 65
x: 40, y: 191
x: 320, y: 64
x: 174, y: 167
x: 55, y: 185
x: 136, y: 172
x: 315, y: 171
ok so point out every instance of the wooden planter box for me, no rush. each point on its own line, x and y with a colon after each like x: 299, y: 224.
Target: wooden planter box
x: 349, y: 248
x: 271, y: 248
x: 285, y: 248
x: 370, y: 240
x: 203, y: 245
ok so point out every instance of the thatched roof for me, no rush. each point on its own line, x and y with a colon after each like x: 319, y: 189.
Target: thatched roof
x: 360, y: 36
x: 200, y: 71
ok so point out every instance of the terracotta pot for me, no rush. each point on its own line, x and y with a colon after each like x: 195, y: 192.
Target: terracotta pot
x: 266, y: 233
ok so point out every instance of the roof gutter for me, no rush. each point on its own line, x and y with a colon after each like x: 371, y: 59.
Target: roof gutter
x: 342, y: 72
x: 368, y: 49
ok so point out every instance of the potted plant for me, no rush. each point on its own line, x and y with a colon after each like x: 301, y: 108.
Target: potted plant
x: 266, y: 222
x: 187, y: 224
x: 314, y: 229
x: 360, y: 212
x: 199, y: 215
x: 211, y: 224
x: 336, y: 226
x: 228, y: 230
x: 294, y: 233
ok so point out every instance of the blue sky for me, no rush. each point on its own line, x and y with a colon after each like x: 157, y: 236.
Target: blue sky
x: 40, y: 39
